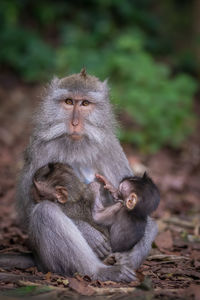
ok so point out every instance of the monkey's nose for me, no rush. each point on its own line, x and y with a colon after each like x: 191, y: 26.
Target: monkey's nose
x: 75, y: 122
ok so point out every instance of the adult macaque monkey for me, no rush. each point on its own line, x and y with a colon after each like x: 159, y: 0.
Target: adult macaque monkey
x: 74, y: 124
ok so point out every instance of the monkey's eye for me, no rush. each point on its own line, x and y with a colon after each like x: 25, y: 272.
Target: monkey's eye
x: 85, y: 103
x: 69, y: 101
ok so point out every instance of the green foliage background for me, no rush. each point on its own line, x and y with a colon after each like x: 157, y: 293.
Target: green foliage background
x: 126, y: 41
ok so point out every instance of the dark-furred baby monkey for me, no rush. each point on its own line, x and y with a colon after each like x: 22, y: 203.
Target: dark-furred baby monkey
x: 137, y: 197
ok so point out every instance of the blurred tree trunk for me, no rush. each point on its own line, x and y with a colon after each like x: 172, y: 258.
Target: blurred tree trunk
x: 196, y: 25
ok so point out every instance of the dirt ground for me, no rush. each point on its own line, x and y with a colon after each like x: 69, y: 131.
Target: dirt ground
x: 172, y: 271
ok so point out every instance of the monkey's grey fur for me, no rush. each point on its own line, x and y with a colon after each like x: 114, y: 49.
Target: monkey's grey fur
x: 60, y: 245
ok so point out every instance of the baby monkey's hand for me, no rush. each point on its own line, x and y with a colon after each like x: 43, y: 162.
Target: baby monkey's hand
x: 108, y: 186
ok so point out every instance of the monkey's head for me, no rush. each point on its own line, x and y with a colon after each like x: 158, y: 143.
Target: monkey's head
x: 55, y: 182
x: 131, y: 189
x: 128, y: 194
x: 78, y: 107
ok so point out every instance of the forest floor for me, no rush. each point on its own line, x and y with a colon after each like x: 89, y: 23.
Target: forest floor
x: 172, y: 271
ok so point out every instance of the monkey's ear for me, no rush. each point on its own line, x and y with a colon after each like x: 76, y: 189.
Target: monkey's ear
x: 51, y: 87
x: 105, y: 84
x: 61, y: 194
x: 54, y: 83
x: 105, y: 87
x: 131, y: 201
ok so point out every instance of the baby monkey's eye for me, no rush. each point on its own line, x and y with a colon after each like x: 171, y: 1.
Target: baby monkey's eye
x: 69, y: 101
x: 85, y: 103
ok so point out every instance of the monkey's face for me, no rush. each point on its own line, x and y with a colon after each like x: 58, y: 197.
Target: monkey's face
x: 128, y: 194
x: 125, y: 188
x: 78, y: 107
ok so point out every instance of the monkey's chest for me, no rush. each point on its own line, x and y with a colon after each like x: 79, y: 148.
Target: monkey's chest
x: 83, y: 211
x: 85, y: 173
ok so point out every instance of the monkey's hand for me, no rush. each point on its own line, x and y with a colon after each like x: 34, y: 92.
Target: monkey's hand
x: 97, y: 241
x: 100, y: 244
x: 107, y: 185
x: 95, y: 187
x: 121, y: 258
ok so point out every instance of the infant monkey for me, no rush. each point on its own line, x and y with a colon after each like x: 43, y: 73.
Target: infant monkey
x: 137, y: 197
x: 57, y: 182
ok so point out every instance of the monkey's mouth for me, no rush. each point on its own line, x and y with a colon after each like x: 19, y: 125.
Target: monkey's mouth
x: 76, y: 136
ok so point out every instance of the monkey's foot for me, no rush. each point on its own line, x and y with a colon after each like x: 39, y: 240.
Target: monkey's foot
x: 110, y: 260
x: 116, y: 273
x: 131, y: 201
x: 121, y: 258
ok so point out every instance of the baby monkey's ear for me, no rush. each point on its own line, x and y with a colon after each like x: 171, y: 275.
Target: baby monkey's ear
x: 131, y: 201
x: 61, y: 194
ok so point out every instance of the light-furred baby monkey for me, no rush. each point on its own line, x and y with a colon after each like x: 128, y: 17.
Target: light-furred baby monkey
x: 58, y: 183
x: 137, y: 197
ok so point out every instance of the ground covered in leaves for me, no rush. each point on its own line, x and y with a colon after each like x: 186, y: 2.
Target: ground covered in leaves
x: 172, y: 271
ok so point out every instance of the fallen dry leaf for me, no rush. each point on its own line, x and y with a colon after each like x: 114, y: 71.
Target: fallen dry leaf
x: 164, y: 240
x: 81, y: 287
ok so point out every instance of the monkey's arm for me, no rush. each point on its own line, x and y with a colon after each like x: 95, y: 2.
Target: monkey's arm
x: 103, y: 215
x: 106, y: 215
x: 108, y: 186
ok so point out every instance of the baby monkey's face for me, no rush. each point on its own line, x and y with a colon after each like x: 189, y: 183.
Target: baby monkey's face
x: 127, y: 192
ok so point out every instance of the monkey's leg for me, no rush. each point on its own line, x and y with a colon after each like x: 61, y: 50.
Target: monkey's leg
x: 9, y: 261
x: 61, y: 248
x: 140, y: 251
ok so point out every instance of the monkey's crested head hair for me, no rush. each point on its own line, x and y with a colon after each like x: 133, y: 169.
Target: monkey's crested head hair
x: 82, y: 82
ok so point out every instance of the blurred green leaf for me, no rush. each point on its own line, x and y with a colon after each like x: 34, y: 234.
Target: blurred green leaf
x: 111, y: 39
